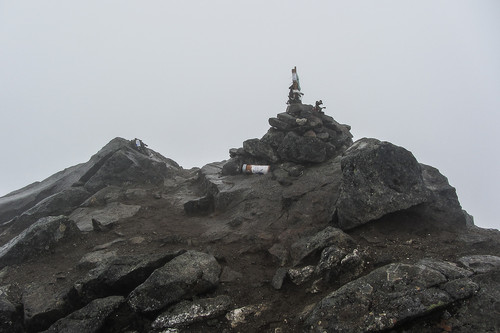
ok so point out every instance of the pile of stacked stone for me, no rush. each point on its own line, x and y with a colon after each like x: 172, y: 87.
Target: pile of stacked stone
x: 303, y: 134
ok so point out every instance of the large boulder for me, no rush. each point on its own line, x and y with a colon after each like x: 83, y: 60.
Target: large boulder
x: 185, y: 276
x: 90, y: 319
x: 118, y: 276
x: 378, y: 178
x: 40, y: 237
x: 388, y: 296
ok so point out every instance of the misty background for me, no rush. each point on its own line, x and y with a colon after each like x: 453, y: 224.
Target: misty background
x: 193, y: 79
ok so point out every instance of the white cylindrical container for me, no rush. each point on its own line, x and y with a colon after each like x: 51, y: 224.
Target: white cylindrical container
x: 255, y: 169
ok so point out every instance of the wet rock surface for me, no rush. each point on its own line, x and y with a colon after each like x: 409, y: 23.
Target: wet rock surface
x: 187, y: 275
x: 331, y: 239
x: 118, y: 276
x: 89, y: 319
x: 385, y: 297
x: 39, y: 237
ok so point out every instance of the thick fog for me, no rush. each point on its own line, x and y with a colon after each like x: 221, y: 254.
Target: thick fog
x: 195, y: 78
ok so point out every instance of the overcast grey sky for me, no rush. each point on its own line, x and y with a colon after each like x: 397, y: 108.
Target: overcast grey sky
x: 195, y: 78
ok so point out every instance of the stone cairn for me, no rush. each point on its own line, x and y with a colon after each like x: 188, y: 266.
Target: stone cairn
x: 302, y: 135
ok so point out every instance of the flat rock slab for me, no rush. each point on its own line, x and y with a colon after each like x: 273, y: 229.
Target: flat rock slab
x: 386, y: 297
x: 41, y: 236
x: 185, y: 276
x: 89, y: 319
x: 111, y: 213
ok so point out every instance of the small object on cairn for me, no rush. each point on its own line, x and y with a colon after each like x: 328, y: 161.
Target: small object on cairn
x: 318, y: 107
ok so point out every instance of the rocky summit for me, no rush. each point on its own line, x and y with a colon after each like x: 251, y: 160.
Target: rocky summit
x: 302, y: 230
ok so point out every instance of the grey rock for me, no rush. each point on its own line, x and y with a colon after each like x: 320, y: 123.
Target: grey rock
x: 481, y: 263
x: 294, y: 170
x: 312, y: 196
x: 273, y: 138
x: 480, y: 312
x: 442, y: 209
x: 301, y: 121
x: 323, y: 136
x: 280, y: 124
x: 340, y: 133
x: 104, y: 196
x: 239, y: 316
x: 61, y: 203
x: 386, y: 297
x: 461, y: 288
x: 279, y: 278
x: 185, y: 276
x: 109, y: 214
x: 127, y: 166
x: 226, y: 192
x: 44, y: 304
x: 308, y: 246
x: 186, y: 313
x: 300, y: 149
x: 40, y: 237
x: 11, y: 310
x: 330, y: 258
x: 17, y: 202
x: 448, y: 269
x: 118, y: 276
x: 378, y: 178
x: 287, y: 118
x: 260, y: 150
x: 300, y: 275
x: 93, y: 259
x: 352, y: 264
x: 89, y: 319
x: 298, y: 109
